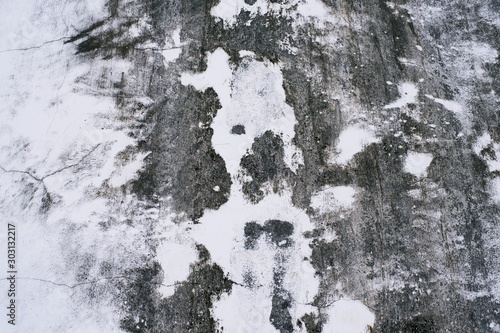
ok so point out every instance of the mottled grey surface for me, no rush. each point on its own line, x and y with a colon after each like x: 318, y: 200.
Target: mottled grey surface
x: 378, y: 242
x: 420, y: 263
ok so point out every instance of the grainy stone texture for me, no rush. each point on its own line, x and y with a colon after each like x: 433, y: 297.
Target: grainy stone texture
x: 420, y: 263
x: 419, y: 249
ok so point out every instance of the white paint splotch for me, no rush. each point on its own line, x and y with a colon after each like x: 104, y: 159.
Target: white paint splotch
x: 456, y: 108
x: 417, y: 163
x: 332, y: 198
x: 352, y: 140
x: 408, y: 94
x: 349, y: 316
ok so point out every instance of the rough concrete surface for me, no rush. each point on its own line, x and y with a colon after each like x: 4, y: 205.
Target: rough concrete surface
x: 251, y: 165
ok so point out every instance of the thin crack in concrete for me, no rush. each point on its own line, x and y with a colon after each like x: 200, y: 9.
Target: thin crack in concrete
x: 35, y: 47
x: 41, y: 180
x: 54, y: 172
x: 89, y: 282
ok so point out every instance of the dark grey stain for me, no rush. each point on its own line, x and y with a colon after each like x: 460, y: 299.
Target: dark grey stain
x: 280, y: 315
x: 191, y: 177
x: 265, y: 163
x: 253, y: 231
x: 277, y: 232
x: 238, y: 129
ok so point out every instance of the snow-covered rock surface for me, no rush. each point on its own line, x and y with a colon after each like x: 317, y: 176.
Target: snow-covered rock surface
x: 250, y: 166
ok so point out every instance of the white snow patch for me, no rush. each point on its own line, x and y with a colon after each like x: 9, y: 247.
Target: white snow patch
x: 318, y: 12
x: 252, y: 95
x: 302, y: 11
x: 248, y: 316
x: 228, y: 10
x: 173, y: 50
x: 493, y: 163
x: 470, y: 57
x: 352, y: 140
x: 176, y: 37
x: 480, y: 54
x: 333, y: 198
x: 175, y: 257
x: 407, y: 62
x: 417, y: 163
x: 171, y: 54
x: 222, y: 232
x: 55, y: 124
x: 349, y: 316
x: 246, y: 53
x: 258, y: 107
x: 408, y: 92
x: 495, y: 327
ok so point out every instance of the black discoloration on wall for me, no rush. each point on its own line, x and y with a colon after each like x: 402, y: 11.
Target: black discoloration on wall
x: 419, y: 324
x: 312, y: 323
x: 253, y: 231
x: 238, y: 129
x: 282, y: 301
x: 265, y: 164
x: 277, y: 232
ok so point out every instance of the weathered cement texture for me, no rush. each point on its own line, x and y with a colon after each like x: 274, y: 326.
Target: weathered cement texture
x: 424, y: 263
x: 419, y: 243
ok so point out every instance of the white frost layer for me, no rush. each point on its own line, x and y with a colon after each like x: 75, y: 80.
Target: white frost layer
x: 352, y: 140
x: 259, y: 107
x: 473, y: 56
x: 449, y: 105
x: 492, y: 161
x: 250, y: 311
x: 417, y: 163
x: 171, y: 55
x: 333, y: 198
x: 246, y: 53
x: 408, y: 92
x: 349, y: 316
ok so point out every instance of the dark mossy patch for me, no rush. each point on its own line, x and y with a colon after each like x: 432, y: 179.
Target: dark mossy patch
x: 265, y: 163
x: 277, y: 232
